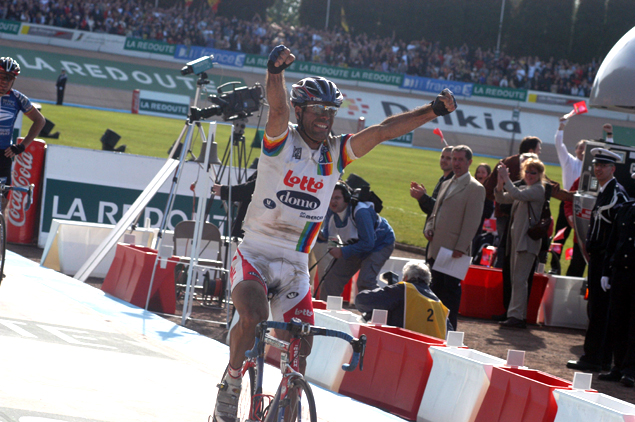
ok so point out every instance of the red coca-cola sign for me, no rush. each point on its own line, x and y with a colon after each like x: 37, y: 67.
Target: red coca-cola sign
x: 27, y: 169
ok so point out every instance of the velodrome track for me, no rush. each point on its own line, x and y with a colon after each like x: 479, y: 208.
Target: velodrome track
x: 71, y: 353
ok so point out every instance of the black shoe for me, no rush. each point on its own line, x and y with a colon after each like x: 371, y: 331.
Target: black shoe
x: 512, y: 322
x: 583, y: 365
x: 610, y: 376
x: 501, y: 317
x: 628, y: 381
x: 607, y: 367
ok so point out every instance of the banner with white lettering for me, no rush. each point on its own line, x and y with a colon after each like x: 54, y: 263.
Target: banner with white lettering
x: 163, y: 105
x: 108, y: 74
x: 97, y: 186
x: 435, y: 86
x: 227, y: 58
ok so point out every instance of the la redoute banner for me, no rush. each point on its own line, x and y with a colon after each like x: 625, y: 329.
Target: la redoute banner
x: 96, y: 186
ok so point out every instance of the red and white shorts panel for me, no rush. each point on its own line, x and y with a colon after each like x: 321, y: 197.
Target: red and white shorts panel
x: 283, y: 274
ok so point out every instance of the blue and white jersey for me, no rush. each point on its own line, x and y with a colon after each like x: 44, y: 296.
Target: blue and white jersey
x: 11, y: 105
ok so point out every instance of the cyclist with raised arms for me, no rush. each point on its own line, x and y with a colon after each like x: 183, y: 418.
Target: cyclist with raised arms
x: 297, y: 171
x: 12, y: 103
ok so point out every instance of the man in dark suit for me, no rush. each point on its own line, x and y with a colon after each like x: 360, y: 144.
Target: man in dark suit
x: 597, y: 344
x: 618, y: 270
x: 419, y: 192
x: 452, y: 225
x: 60, y: 85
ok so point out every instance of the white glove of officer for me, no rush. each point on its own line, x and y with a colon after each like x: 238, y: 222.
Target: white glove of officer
x: 604, y: 282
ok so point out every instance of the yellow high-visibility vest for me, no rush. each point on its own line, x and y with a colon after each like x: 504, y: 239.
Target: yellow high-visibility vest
x: 422, y: 314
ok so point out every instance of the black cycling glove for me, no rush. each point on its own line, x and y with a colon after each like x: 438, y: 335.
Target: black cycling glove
x: 18, y: 149
x: 437, y: 105
x: 273, y: 56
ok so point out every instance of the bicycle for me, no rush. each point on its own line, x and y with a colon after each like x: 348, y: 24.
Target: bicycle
x: 294, y: 393
x: 3, y: 226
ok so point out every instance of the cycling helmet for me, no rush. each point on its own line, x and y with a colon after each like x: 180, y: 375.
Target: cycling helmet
x: 9, y: 66
x: 316, y: 89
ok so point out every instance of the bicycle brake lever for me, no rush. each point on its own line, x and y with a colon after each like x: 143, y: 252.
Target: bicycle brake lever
x: 362, y: 341
x: 29, y: 197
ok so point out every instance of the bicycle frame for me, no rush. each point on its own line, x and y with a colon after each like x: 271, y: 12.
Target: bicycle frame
x: 289, y: 362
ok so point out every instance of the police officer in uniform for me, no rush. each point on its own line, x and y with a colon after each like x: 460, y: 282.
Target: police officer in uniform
x: 618, y: 269
x: 611, y: 195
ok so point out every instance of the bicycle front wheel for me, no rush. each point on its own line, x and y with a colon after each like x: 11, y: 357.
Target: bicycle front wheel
x: 3, y: 245
x: 301, y: 407
x: 246, y: 395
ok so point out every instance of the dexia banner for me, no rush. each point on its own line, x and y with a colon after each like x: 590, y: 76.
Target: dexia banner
x: 471, y: 119
x: 109, y: 74
x: 99, y: 186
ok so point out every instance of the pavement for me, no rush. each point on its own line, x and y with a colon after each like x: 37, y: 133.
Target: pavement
x: 71, y: 353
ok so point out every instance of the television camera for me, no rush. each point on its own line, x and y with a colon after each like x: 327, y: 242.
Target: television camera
x: 237, y: 103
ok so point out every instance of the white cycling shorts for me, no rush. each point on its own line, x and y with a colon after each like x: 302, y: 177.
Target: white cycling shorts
x: 284, y: 275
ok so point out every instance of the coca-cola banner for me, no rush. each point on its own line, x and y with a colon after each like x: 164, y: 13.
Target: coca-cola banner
x: 27, y: 169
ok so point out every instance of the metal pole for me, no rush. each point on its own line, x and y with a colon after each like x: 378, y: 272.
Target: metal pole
x: 328, y: 12
x: 500, y: 30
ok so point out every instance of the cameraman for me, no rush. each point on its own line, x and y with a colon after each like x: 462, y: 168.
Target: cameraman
x: 368, y: 238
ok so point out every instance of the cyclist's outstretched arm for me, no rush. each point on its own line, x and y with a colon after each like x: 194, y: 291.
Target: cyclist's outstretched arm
x: 38, y: 123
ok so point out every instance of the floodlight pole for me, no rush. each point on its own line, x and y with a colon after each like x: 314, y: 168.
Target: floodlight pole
x: 500, y: 31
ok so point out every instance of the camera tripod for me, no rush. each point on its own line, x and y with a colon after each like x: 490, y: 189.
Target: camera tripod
x: 207, y: 157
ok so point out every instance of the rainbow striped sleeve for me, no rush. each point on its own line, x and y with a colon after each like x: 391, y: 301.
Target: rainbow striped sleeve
x: 308, y: 236
x: 346, y: 153
x: 272, y: 146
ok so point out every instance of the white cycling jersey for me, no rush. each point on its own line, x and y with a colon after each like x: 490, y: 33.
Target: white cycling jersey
x: 294, y: 188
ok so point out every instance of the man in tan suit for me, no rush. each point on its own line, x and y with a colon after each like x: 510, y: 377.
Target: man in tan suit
x: 453, y: 223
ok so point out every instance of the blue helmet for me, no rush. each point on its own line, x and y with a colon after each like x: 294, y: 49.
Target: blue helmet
x: 316, y: 89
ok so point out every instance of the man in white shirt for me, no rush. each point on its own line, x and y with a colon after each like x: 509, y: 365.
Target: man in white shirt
x: 571, y: 168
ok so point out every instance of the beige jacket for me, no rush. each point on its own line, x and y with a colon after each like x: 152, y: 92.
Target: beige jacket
x: 455, y: 219
x: 522, y: 197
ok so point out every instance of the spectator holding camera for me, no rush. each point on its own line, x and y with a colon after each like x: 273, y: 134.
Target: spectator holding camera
x: 410, y: 303
x: 368, y: 241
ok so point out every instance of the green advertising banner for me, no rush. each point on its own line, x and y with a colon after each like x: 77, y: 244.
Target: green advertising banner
x: 107, y: 73
x: 95, y: 203
x: 360, y: 75
x: 149, y: 46
x: 499, y: 92
x: 9, y: 27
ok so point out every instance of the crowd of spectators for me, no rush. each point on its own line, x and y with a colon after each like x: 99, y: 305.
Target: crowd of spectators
x: 200, y: 26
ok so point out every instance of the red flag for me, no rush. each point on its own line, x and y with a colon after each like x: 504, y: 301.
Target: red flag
x: 580, y: 107
x: 559, y: 235
x: 438, y: 132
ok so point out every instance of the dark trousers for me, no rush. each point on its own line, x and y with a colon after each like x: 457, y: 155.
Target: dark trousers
x: 561, y: 223
x: 60, y: 96
x: 448, y: 290
x: 501, y: 227
x: 597, y: 342
x: 577, y: 264
x: 622, y: 320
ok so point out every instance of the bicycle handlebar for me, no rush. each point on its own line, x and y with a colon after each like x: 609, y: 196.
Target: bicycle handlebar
x: 300, y: 329
x: 28, y: 190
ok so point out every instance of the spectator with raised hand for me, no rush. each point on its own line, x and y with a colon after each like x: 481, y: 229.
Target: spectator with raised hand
x: 522, y: 250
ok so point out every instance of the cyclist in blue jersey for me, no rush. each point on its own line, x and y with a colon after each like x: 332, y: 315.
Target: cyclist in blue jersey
x: 12, y: 103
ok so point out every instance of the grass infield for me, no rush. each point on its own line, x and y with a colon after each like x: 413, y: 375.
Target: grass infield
x: 388, y: 169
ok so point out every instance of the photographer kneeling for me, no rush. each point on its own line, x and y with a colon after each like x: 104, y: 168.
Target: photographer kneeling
x: 367, y: 237
x: 410, y: 304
